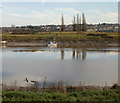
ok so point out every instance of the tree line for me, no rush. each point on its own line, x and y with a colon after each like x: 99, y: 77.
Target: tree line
x: 79, y: 23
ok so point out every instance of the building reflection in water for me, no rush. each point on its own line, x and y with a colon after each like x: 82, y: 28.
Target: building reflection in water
x: 76, y: 54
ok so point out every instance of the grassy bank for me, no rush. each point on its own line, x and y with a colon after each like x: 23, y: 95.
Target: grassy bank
x: 85, y: 95
x: 64, y: 39
x: 60, y: 37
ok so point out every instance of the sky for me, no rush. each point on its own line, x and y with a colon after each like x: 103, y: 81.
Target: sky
x: 47, y: 13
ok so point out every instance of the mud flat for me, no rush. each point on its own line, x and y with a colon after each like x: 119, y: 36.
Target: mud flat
x: 64, y: 44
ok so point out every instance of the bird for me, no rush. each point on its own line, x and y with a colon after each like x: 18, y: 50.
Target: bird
x: 33, y: 81
x: 26, y: 80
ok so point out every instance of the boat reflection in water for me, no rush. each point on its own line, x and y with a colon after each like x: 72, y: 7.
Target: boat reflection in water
x: 3, y: 46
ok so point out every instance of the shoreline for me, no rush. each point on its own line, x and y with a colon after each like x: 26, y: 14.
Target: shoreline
x: 90, y: 44
x: 63, y: 39
x: 57, y: 87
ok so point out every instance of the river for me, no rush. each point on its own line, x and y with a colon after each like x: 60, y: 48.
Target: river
x: 73, y: 66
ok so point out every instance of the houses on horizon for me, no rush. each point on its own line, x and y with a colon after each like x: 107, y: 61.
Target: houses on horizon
x: 78, y: 24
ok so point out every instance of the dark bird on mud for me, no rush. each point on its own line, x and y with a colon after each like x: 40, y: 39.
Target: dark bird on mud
x: 26, y: 80
x: 34, y: 81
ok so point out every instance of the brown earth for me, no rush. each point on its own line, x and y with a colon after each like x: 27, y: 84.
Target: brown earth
x: 64, y: 44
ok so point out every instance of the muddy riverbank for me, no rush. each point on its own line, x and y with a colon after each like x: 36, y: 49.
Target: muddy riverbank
x: 64, y: 44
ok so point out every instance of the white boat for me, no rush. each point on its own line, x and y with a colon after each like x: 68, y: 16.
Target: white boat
x: 3, y: 42
x: 52, y: 44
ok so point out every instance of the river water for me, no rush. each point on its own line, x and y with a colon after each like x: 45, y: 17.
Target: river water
x: 89, y: 66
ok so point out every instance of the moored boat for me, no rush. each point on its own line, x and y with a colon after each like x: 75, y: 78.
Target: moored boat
x: 52, y: 44
x: 3, y: 42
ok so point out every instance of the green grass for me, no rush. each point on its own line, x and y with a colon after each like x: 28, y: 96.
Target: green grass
x: 85, y: 95
x: 60, y: 37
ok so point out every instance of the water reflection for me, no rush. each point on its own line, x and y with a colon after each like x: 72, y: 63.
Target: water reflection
x: 3, y: 46
x: 62, y: 53
x: 83, y: 54
x: 65, y: 53
x: 79, y: 54
x: 89, y: 65
x: 76, y: 54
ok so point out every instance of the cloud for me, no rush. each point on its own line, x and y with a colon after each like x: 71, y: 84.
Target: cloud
x: 98, y: 16
x: 110, y: 17
x: 68, y: 10
x: 24, y: 16
x: 15, y: 15
x: 39, y: 17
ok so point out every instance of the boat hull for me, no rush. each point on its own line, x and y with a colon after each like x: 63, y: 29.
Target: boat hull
x: 52, y: 45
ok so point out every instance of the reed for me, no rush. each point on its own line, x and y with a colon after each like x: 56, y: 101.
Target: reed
x: 59, y: 86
